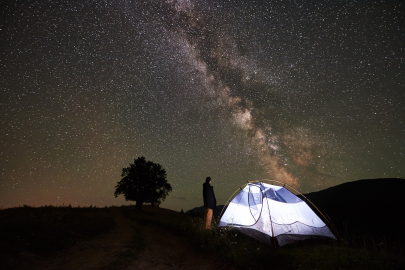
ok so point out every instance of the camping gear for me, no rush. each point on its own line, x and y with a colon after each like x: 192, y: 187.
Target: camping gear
x: 271, y: 213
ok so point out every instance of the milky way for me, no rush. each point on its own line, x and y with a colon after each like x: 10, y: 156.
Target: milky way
x: 310, y: 94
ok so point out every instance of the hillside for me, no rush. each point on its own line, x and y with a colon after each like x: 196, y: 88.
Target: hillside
x: 199, y: 211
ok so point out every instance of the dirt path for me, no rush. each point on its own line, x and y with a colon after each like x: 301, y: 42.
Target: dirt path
x: 114, y: 250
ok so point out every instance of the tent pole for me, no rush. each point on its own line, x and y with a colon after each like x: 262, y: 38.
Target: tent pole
x: 284, y: 185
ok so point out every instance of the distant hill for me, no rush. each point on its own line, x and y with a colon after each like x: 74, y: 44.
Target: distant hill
x: 369, y: 206
x: 200, y: 211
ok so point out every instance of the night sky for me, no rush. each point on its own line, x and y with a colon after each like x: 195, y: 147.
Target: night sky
x: 310, y: 93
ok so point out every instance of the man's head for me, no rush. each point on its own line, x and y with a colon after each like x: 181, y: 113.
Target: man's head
x: 208, y: 180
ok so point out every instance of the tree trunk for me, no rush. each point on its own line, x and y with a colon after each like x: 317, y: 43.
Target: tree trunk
x: 138, y: 205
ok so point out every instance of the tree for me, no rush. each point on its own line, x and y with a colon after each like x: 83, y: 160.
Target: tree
x: 143, y: 182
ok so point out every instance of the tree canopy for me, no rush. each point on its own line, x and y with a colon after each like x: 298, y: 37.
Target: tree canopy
x: 143, y: 182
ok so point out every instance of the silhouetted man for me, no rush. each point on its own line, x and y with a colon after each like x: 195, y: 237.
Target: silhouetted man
x: 210, y: 203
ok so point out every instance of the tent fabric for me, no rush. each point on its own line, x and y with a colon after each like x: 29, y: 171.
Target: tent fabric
x: 263, y: 211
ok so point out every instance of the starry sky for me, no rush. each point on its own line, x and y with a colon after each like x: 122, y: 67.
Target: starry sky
x: 309, y: 93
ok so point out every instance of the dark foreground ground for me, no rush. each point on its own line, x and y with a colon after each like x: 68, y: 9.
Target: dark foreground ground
x: 130, y: 244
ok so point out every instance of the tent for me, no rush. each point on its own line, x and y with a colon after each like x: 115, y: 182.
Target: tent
x: 271, y: 213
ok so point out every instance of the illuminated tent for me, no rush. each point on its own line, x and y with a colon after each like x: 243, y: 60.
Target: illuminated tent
x: 269, y: 212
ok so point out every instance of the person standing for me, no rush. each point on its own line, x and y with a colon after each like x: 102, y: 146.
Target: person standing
x: 210, y: 203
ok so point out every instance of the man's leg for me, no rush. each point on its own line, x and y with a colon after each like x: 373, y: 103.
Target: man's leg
x: 205, y: 218
x: 208, y: 213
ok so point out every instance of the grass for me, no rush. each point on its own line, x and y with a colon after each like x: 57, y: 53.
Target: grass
x: 355, y: 251
x: 47, y: 229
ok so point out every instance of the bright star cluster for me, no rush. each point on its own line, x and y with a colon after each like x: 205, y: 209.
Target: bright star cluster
x: 311, y: 94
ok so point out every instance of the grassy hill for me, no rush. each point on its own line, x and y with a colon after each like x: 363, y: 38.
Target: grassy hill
x: 364, y: 211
